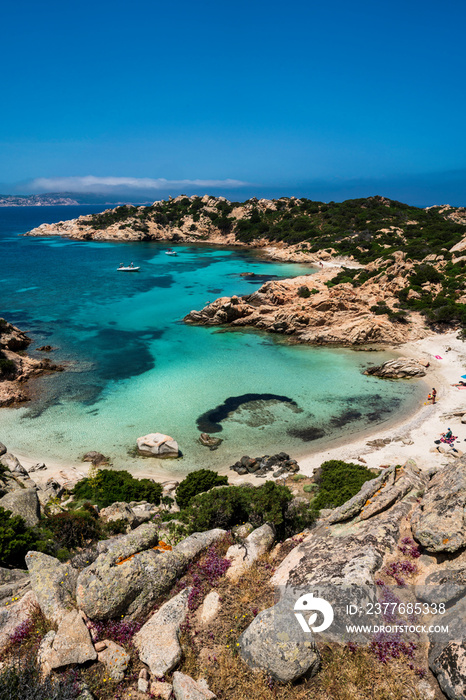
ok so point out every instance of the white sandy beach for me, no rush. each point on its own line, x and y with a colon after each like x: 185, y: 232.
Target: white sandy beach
x: 412, y: 438
x: 426, y: 425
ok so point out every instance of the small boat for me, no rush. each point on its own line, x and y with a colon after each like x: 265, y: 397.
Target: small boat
x: 170, y: 251
x: 127, y: 268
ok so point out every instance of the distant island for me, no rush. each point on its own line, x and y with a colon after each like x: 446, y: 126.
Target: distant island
x: 55, y: 199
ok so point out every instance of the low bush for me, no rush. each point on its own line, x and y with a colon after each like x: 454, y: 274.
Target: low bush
x: 7, y: 367
x: 197, y: 482
x: 22, y: 680
x: 239, y: 504
x: 304, y: 292
x: 73, y: 529
x: 108, y: 486
x: 338, y: 482
x: 16, y: 538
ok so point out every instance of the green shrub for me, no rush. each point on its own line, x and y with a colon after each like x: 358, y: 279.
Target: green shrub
x: 15, y: 539
x: 309, y: 488
x: 109, y: 486
x: 73, y: 529
x: 7, y: 367
x: 197, y: 482
x: 239, y: 504
x: 304, y: 292
x: 338, y: 482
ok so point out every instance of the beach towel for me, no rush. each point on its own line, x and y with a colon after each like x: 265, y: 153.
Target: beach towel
x: 449, y: 441
x: 437, y: 357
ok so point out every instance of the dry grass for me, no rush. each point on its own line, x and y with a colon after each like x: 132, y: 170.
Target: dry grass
x: 345, y: 675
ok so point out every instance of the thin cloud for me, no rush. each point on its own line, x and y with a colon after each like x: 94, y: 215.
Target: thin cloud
x: 104, y: 184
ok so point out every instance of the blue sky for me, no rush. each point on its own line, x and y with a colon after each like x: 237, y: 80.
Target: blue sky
x: 329, y: 99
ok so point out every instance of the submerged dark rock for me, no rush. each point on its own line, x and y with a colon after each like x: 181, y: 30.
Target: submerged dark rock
x: 210, y: 421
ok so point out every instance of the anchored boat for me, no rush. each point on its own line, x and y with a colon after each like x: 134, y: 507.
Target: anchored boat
x: 127, y: 268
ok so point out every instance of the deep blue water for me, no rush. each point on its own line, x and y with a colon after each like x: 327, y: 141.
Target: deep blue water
x: 134, y: 367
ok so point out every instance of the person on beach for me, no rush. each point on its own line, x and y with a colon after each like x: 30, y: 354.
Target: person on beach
x: 434, y: 395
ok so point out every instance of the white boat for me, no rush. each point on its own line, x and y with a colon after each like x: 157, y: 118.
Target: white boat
x: 127, y: 268
x: 170, y: 251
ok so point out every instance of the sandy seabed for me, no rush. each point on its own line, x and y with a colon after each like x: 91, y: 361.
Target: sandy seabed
x: 412, y: 438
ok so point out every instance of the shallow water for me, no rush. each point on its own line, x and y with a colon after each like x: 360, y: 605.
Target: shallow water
x: 134, y: 367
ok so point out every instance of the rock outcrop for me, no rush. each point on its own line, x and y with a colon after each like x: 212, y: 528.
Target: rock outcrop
x: 16, y: 368
x: 70, y: 644
x: 274, y: 643
x: 401, y: 368
x: 157, y: 445
x: 132, y: 575
x: 185, y: 688
x: 158, y: 640
x: 114, y: 658
x: 439, y: 521
x: 53, y: 583
x: 23, y: 502
x: 339, y: 315
x: 339, y: 559
x: 243, y: 556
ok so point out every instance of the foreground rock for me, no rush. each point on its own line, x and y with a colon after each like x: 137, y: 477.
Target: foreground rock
x: 243, y: 556
x: 274, y: 643
x: 401, y: 368
x: 119, y: 511
x: 343, y: 314
x: 158, y: 640
x: 338, y: 559
x: 115, y: 659
x: 447, y: 651
x: 70, y: 644
x: 157, y: 445
x: 14, y: 583
x: 131, y: 576
x: 450, y: 669
x: 23, y: 502
x: 439, y: 522
x: 279, y: 464
x: 53, y: 583
x: 185, y: 688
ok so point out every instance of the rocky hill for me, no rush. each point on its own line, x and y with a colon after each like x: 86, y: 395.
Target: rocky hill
x: 197, y: 604
x: 417, y: 255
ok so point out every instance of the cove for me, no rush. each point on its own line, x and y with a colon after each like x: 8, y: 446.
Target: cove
x: 133, y: 367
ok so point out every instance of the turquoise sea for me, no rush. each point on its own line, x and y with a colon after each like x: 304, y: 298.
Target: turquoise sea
x: 133, y: 367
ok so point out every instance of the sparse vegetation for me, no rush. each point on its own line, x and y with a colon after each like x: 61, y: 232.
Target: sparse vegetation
x: 234, y: 505
x: 197, y: 482
x: 338, y: 482
x: 108, y: 486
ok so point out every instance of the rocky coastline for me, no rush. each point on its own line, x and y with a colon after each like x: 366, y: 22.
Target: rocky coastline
x: 309, y: 310
x: 16, y: 367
